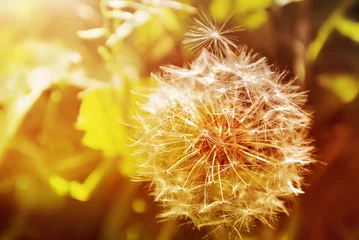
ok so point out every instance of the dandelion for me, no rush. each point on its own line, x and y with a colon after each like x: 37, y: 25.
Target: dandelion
x: 224, y: 140
x: 212, y: 35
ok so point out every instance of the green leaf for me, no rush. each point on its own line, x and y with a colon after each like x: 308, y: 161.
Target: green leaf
x: 282, y: 3
x: 247, y: 6
x: 162, y: 48
x: 348, y: 28
x: 255, y: 20
x: 344, y: 86
x: 220, y: 8
x: 326, y: 30
x: 253, y: 12
x: 101, y: 117
x: 77, y: 190
x: 15, y: 109
x: 126, y: 28
x: 60, y: 185
x: 169, y: 20
x: 92, y: 33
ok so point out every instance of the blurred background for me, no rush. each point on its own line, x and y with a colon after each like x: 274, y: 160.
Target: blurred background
x: 67, y: 71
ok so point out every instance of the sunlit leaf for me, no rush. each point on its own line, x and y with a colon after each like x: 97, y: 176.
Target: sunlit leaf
x: 101, y: 117
x: 117, y: 3
x: 156, y: 36
x: 142, y: 88
x: 126, y: 28
x: 92, y: 33
x: 77, y: 190
x: 246, y: 6
x: 126, y: 166
x: 163, y: 47
x: 19, y: 57
x: 220, y: 8
x: 179, y: 5
x: 22, y: 9
x: 348, y: 28
x: 31, y: 195
x: 169, y: 20
x: 106, y: 56
x: 344, y: 86
x: 121, y: 15
x: 285, y: 2
x: 87, y: 12
x: 255, y: 20
x: 81, y: 191
x: 326, y: 30
x: 16, y: 109
x: 60, y: 185
x: 24, y: 83
x: 148, y: 35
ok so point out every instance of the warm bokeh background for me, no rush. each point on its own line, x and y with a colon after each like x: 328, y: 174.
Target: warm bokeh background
x: 66, y: 78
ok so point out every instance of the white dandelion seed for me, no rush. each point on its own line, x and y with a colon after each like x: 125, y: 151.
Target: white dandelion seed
x: 214, y: 36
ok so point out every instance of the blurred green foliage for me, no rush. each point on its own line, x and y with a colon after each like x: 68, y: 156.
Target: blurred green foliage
x: 100, y: 117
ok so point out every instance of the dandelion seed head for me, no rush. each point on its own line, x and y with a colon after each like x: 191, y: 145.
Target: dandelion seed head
x: 224, y: 147
x: 214, y: 36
